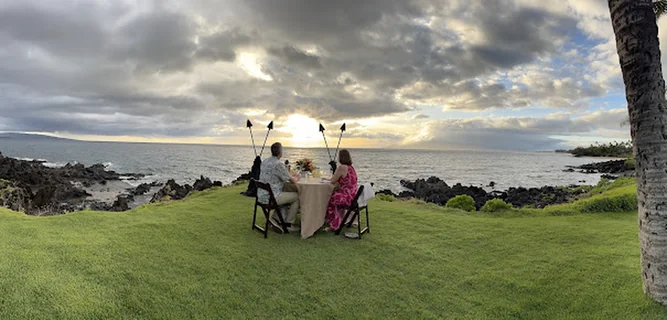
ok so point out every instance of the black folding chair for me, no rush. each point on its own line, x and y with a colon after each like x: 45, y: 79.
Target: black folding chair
x: 355, y: 211
x: 267, y: 208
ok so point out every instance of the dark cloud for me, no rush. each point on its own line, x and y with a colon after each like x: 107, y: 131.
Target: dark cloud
x: 542, y: 89
x: 517, y: 36
x: 55, y: 29
x: 222, y: 46
x: 327, y: 22
x: 293, y: 56
x: 157, y: 42
x: 501, y: 58
x: 167, y: 68
x: 327, y: 101
x: 420, y: 116
x: 107, y: 121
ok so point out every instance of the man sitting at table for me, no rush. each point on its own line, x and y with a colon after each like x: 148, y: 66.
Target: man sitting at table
x: 274, y: 172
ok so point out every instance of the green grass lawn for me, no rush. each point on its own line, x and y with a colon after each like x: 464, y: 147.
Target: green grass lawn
x: 198, y: 259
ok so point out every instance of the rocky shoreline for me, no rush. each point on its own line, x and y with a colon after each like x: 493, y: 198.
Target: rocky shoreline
x: 35, y: 189
x: 434, y: 190
x: 611, y: 169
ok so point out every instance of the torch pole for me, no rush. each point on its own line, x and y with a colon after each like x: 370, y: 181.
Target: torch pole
x: 252, y: 138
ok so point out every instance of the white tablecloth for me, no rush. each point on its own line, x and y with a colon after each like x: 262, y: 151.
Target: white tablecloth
x: 314, y: 197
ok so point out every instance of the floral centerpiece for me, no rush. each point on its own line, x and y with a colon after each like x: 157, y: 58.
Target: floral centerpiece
x: 305, y: 165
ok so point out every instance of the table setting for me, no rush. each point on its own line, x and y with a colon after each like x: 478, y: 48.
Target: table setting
x: 314, y: 191
x: 313, y: 186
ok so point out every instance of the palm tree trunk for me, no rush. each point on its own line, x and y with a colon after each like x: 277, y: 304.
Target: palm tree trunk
x: 638, y: 48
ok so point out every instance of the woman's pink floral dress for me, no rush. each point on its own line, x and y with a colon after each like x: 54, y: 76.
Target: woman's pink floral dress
x: 342, y: 197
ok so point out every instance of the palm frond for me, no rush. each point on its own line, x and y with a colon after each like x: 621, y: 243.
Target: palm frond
x: 659, y: 7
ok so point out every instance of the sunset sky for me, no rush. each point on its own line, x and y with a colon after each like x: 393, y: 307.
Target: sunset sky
x: 463, y: 74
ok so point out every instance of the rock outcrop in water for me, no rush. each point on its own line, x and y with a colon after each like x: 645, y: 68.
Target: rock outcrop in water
x: 51, y: 190
x: 141, y: 189
x: 31, y: 187
x: 204, y: 183
x: 144, y: 188
x: 613, y: 166
x: 174, y: 191
x: 35, y: 189
x: 171, y: 191
x: 242, y: 178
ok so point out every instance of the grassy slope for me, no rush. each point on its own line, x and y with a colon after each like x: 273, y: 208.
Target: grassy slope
x: 198, y: 259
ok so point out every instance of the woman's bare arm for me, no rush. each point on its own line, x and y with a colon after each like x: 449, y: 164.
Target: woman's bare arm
x: 341, y: 171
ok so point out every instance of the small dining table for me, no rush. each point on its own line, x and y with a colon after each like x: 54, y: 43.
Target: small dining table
x: 314, y: 195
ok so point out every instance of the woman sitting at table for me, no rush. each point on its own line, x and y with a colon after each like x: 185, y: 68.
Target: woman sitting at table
x: 345, y: 179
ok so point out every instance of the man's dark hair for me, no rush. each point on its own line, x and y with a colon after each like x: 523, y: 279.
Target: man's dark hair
x: 344, y: 157
x: 276, y: 149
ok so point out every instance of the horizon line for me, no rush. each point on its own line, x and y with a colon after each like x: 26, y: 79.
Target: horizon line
x: 250, y: 145
x: 184, y: 143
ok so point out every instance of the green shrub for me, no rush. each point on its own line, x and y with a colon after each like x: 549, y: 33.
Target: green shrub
x: 618, y: 203
x: 463, y: 202
x: 385, y: 197
x: 495, y: 205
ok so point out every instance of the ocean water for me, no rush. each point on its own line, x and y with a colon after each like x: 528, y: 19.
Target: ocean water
x: 385, y: 168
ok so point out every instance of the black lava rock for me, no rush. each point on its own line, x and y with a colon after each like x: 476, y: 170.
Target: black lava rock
x: 171, y: 191
x: 202, y: 184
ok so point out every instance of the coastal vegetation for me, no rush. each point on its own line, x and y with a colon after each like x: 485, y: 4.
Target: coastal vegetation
x: 607, y: 196
x: 495, y: 205
x: 461, y: 202
x: 198, y: 258
x: 611, y: 150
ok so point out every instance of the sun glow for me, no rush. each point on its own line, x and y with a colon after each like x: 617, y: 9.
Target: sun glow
x: 248, y: 62
x: 304, y: 131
